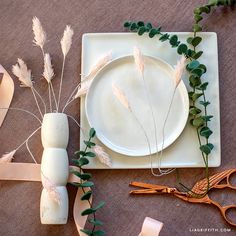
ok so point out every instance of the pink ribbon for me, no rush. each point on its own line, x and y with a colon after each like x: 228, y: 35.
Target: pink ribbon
x: 6, y: 92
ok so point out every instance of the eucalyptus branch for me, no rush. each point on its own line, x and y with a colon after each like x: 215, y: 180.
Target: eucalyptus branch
x: 199, y: 119
x: 85, y: 183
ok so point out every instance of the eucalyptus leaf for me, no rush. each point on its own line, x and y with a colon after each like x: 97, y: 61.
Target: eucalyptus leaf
x: 197, y: 18
x: 127, y: 24
x: 207, y: 118
x: 142, y: 30
x: 133, y: 26
x: 205, y: 149
x: 196, y: 96
x: 193, y: 64
x: 152, y: 33
x: 149, y: 25
x: 90, y: 154
x: 86, y: 196
x: 198, y: 72
x: 204, y: 103
x: 87, y: 232
x: 197, y: 28
x: 182, y: 48
x: 99, y: 233
x: 82, y: 161
x: 88, y: 211
x: 196, y: 40
x: 203, y: 86
x: 205, y: 132
x: 194, y: 111
x: 164, y: 37
x: 86, y: 184
x: 140, y: 23
x: 199, y: 121
x: 85, y: 176
x: 173, y: 40
x: 210, y: 145
x: 194, y: 81
x: 189, y: 40
x: 95, y: 222
x: 92, y: 133
x: 197, y: 55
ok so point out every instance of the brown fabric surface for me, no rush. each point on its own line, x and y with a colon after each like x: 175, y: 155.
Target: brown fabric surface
x: 123, y: 214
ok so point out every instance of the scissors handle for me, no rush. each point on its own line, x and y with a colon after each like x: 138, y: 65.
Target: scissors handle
x: 224, y: 211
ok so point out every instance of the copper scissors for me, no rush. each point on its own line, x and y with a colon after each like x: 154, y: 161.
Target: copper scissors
x: 199, y: 188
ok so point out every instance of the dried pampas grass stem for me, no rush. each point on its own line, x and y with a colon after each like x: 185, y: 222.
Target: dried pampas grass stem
x: 66, y: 42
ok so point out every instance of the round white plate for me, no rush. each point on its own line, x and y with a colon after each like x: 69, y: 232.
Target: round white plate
x: 115, y: 126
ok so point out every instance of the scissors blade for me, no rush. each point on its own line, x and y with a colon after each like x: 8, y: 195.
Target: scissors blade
x: 148, y: 186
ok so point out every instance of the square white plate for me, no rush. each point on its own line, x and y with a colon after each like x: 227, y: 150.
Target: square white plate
x: 184, y: 152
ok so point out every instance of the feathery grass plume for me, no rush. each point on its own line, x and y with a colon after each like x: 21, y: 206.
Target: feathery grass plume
x: 102, y: 61
x: 50, y: 187
x: 84, y: 86
x: 66, y: 40
x: 103, y: 157
x: 83, y: 89
x: 179, y: 69
x: 39, y: 33
x: 138, y: 58
x: 7, y: 157
x: 120, y: 95
x: 48, y: 72
x: 21, y: 71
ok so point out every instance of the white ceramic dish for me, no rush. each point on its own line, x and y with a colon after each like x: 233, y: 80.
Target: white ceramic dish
x: 184, y: 152
x: 117, y: 127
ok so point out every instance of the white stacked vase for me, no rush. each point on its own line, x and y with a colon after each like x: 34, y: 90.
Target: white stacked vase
x: 55, y: 167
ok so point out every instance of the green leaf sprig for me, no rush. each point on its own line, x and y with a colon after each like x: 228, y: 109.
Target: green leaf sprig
x: 199, y: 117
x: 85, y: 182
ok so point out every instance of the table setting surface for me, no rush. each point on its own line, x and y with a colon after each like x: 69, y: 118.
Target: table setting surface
x: 122, y: 214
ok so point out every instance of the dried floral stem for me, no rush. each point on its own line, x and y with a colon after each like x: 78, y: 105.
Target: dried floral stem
x: 28, y: 138
x: 35, y: 98
x: 70, y: 99
x: 163, y: 130
x: 62, y: 73
x: 54, y: 96
x: 40, y: 97
x: 31, y: 154
x: 154, y: 121
x: 19, y: 109
x: 49, y: 97
x: 77, y: 123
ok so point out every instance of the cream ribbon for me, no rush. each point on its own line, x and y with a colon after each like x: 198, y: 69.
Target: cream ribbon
x: 6, y: 93
x: 151, y: 227
x: 32, y: 172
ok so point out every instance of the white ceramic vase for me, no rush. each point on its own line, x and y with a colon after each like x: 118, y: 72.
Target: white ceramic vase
x: 55, y: 167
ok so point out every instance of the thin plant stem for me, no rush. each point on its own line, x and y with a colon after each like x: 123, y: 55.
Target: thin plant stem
x: 162, y: 172
x: 37, y: 102
x: 49, y: 97
x: 53, y: 94
x: 45, y: 107
x: 19, y: 109
x: 68, y: 104
x: 31, y: 154
x: 62, y: 73
x: 77, y: 123
x: 163, y: 128
x: 69, y: 99
x: 27, y: 145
